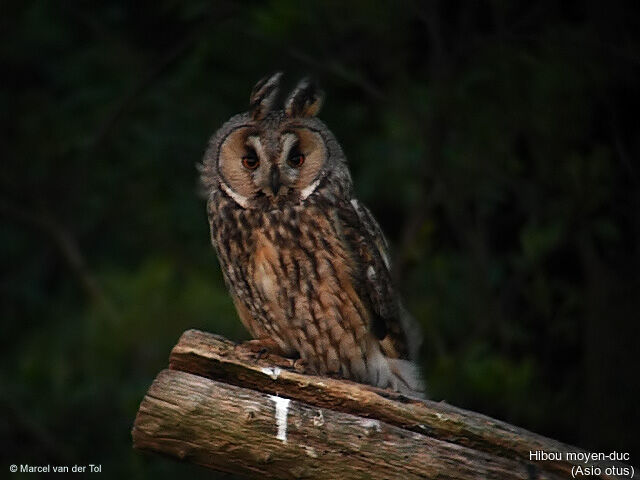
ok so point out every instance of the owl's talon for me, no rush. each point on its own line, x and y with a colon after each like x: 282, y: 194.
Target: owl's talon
x: 262, y: 353
x: 300, y: 365
x: 259, y: 348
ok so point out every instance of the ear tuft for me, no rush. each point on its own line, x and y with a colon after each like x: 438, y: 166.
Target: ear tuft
x: 305, y: 100
x: 263, y: 95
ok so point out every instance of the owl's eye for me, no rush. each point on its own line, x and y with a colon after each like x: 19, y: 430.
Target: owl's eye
x: 250, y: 161
x: 296, y: 159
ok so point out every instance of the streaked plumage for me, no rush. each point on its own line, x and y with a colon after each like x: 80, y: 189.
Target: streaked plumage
x: 306, y: 264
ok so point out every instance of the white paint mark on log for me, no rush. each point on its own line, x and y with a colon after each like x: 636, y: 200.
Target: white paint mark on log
x: 318, y: 420
x: 282, y: 408
x: 272, y: 372
x: 371, y: 424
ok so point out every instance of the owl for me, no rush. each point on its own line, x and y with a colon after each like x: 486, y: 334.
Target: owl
x: 306, y: 264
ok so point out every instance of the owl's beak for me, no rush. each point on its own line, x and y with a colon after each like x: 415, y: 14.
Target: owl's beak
x: 274, y: 180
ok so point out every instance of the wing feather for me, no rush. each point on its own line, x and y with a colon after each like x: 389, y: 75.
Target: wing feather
x: 370, y: 251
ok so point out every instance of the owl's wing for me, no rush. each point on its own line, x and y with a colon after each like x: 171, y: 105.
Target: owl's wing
x: 370, y: 250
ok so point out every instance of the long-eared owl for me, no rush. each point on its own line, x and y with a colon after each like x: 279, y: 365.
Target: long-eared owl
x: 305, y: 262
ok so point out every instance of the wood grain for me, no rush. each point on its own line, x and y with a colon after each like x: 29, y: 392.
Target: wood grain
x: 235, y: 430
x: 216, y: 406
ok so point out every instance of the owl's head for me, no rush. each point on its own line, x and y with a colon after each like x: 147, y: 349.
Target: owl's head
x: 266, y: 157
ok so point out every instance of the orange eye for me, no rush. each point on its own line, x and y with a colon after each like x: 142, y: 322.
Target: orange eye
x: 296, y: 160
x: 250, y: 162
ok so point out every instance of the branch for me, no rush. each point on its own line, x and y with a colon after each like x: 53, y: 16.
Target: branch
x: 64, y: 242
x: 166, y: 60
x: 338, y: 70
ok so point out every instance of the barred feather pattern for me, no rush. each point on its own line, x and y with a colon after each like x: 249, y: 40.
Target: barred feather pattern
x: 306, y: 264
x: 295, y: 277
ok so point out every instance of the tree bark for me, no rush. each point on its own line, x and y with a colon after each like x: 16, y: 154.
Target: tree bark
x: 225, y: 407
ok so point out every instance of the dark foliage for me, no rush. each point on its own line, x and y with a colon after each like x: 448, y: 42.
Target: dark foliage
x: 497, y: 143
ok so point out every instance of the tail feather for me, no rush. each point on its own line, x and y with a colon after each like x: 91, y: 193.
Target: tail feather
x: 406, y: 377
x: 400, y: 375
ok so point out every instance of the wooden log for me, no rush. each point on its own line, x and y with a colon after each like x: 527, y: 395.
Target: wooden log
x: 239, y: 430
x: 221, y: 405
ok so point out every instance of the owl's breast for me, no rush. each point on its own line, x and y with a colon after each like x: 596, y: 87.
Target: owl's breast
x: 265, y: 271
x: 302, y: 291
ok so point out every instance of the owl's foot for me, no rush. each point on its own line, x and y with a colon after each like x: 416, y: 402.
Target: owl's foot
x: 260, y: 347
x: 300, y: 365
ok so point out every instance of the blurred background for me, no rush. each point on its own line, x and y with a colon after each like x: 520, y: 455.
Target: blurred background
x: 496, y: 142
